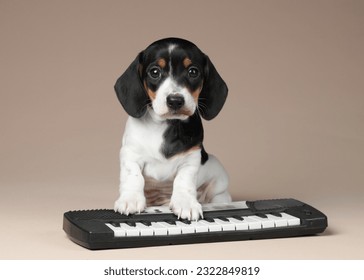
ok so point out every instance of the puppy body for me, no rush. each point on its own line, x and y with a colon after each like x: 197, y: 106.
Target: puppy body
x: 163, y: 161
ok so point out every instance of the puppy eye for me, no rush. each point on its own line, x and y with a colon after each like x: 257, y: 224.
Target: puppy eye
x: 155, y: 73
x: 193, y: 72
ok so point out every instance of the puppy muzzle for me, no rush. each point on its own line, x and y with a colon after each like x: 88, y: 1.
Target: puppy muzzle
x: 175, y: 102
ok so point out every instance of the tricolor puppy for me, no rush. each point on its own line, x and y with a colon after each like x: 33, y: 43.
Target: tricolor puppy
x: 166, y: 90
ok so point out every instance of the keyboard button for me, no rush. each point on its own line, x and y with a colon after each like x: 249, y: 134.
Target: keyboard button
x: 185, y: 228
x: 252, y: 223
x: 223, y: 219
x: 187, y: 222
x: 158, y: 229
x: 147, y: 223
x: 130, y: 223
x: 277, y: 214
x: 239, y: 224
x: 118, y: 232
x: 212, y: 226
x: 171, y: 222
x: 172, y: 229
x: 200, y: 227
x: 291, y: 220
x: 266, y: 223
x: 129, y: 230
x: 240, y: 218
x: 261, y: 215
x: 210, y: 220
x: 279, y: 221
x: 144, y: 230
x: 225, y: 225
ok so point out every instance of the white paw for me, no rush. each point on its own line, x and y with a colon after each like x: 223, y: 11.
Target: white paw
x: 186, y: 206
x: 130, y: 203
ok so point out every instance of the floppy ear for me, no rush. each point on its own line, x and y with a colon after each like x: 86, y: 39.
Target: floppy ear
x: 213, y: 94
x: 130, y: 91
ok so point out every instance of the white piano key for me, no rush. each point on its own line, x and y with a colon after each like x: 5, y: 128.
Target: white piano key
x: 291, y: 220
x: 185, y: 228
x: 159, y: 229
x: 200, y: 227
x: 212, y: 226
x: 172, y: 229
x: 226, y: 226
x: 278, y: 221
x: 118, y: 232
x: 252, y: 223
x: 239, y: 225
x: 129, y: 230
x: 144, y: 230
x: 266, y: 222
x: 247, y: 223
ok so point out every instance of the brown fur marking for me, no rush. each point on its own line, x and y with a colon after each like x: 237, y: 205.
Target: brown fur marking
x: 187, y: 62
x: 162, y: 62
x: 152, y: 95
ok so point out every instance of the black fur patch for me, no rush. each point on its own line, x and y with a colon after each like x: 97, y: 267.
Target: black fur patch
x: 182, y: 135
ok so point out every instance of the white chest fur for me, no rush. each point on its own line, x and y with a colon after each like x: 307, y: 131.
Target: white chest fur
x: 142, y: 142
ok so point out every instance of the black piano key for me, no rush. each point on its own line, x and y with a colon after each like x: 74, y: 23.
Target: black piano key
x: 187, y: 222
x: 261, y: 215
x: 276, y: 214
x: 146, y: 223
x: 210, y: 220
x: 130, y: 223
x: 223, y: 219
x: 115, y: 224
x: 239, y: 218
x: 171, y: 222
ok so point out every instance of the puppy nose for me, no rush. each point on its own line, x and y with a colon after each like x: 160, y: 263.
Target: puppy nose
x: 175, y: 101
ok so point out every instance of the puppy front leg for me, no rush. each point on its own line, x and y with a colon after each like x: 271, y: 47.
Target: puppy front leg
x: 131, y: 199
x: 184, y: 202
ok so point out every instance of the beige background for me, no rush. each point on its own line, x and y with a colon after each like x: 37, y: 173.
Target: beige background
x: 293, y: 125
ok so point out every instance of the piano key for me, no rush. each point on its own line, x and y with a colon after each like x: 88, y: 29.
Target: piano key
x: 292, y: 221
x: 239, y: 224
x: 261, y: 215
x: 277, y: 214
x: 212, y: 226
x: 130, y: 223
x: 187, y: 222
x: 144, y: 230
x: 225, y: 225
x: 185, y: 227
x: 147, y: 223
x: 200, y: 227
x: 279, y: 221
x: 158, y: 229
x: 265, y: 222
x: 171, y: 222
x: 252, y: 223
x: 171, y: 229
x: 118, y: 232
x: 209, y: 219
x: 238, y: 218
x: 249, y: 222
x: 129, y: 230
x: 223, y: 218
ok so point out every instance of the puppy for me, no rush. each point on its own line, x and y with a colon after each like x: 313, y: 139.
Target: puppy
x: 166, y: 90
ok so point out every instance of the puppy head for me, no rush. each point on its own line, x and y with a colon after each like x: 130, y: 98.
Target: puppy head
x: 175, y: 79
